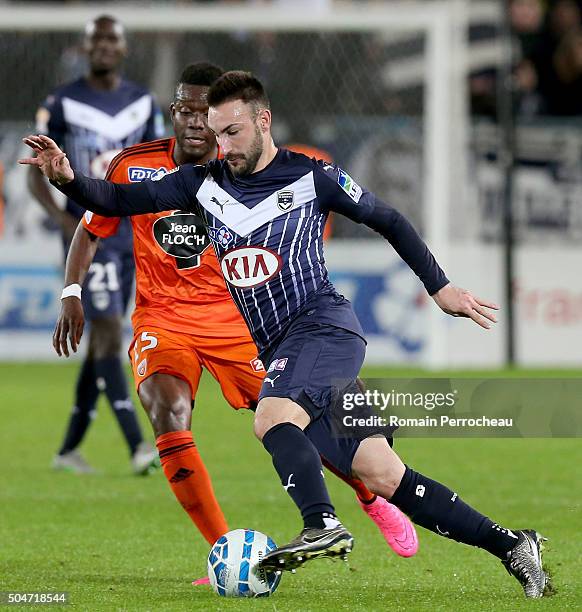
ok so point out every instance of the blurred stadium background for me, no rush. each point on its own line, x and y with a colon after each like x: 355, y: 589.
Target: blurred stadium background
x: 450, y: 110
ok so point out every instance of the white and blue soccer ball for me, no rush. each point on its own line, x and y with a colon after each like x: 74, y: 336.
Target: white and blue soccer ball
x: 233, y: 565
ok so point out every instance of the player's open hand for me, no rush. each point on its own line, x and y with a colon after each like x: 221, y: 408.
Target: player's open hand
x: 53, y: 162
x: 69, y: 326
x: 461, y: 303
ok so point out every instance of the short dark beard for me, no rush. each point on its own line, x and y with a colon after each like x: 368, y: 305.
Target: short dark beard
x: 252, y: 157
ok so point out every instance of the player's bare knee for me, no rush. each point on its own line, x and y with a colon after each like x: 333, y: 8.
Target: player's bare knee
x: 263, y: 422
x: 167, y: 402
x: 273, y: 411
x: 168, y: 415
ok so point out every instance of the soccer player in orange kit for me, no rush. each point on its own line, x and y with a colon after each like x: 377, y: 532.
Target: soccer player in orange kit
x: 185, y: 319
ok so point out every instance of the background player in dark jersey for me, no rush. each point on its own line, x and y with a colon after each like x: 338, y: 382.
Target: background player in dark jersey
x: 269, y: 242
x: 94, y: 118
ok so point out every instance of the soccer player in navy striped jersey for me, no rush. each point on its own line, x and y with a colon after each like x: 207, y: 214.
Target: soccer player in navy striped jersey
x: 264, y: 209
x: 93, y: 118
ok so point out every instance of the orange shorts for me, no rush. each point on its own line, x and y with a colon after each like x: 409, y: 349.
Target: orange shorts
x: 231, y: 361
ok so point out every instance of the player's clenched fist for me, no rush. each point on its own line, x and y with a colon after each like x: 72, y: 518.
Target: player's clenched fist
x: 53, y: 162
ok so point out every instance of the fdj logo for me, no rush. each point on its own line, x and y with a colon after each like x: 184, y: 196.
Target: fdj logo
x: 136, y: 174
x: 247, y: 267
x: 183, y: 236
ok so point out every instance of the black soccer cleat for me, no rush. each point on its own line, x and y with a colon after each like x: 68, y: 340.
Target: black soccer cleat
x: 524, y: 562
x: 310, y: 544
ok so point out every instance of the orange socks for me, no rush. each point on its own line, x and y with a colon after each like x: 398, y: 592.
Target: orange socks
x: 364, y: 494
x: 187, y: 475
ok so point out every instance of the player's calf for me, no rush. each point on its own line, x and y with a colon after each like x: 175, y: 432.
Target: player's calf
x: 279, y: 424
x: 378, y: 466
x: 299, y: 466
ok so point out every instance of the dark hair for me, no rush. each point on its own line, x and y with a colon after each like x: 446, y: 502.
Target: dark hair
x: 105, y: 18
x: 200, y: 73
x: 238, y: 85
x: 102, y: 19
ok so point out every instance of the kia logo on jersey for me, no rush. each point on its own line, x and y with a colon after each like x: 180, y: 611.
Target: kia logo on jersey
x: 182, y: 236
x: 246, y: 267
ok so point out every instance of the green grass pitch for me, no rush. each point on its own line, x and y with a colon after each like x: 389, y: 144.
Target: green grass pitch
x: 117, y: 542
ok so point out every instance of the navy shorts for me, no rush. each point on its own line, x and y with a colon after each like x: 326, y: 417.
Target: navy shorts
x: 314, y: 365
x: 108, y: 287
x: 311, y: 362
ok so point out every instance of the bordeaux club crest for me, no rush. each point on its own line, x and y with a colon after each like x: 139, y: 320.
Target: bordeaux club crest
x: 285, y: 200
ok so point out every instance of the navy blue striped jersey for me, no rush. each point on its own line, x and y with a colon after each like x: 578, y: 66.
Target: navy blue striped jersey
x: 93, y: 126
x: 266, y: 229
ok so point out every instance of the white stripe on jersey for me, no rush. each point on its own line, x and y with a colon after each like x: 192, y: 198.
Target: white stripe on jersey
x: 309, y: 242
x: 281, y: 275
x: 309, y: 220
x: 319, y: 255
x: 237, y: 298
x: 256, y: 303
x: 291, y: 258
x: 116, y: 127
x: 241, y: 297
x: 268, y: 282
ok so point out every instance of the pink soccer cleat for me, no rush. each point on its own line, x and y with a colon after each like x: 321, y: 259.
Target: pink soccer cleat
x: 395, y: 526
x: 201, y: 581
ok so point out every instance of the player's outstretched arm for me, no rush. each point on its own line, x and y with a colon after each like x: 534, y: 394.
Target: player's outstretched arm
x: 342, y: 194
x: 414, y: 251
x: 177, y: 191
x: 71, y: 321
x: 95, y: 195
x: 461, y: 303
